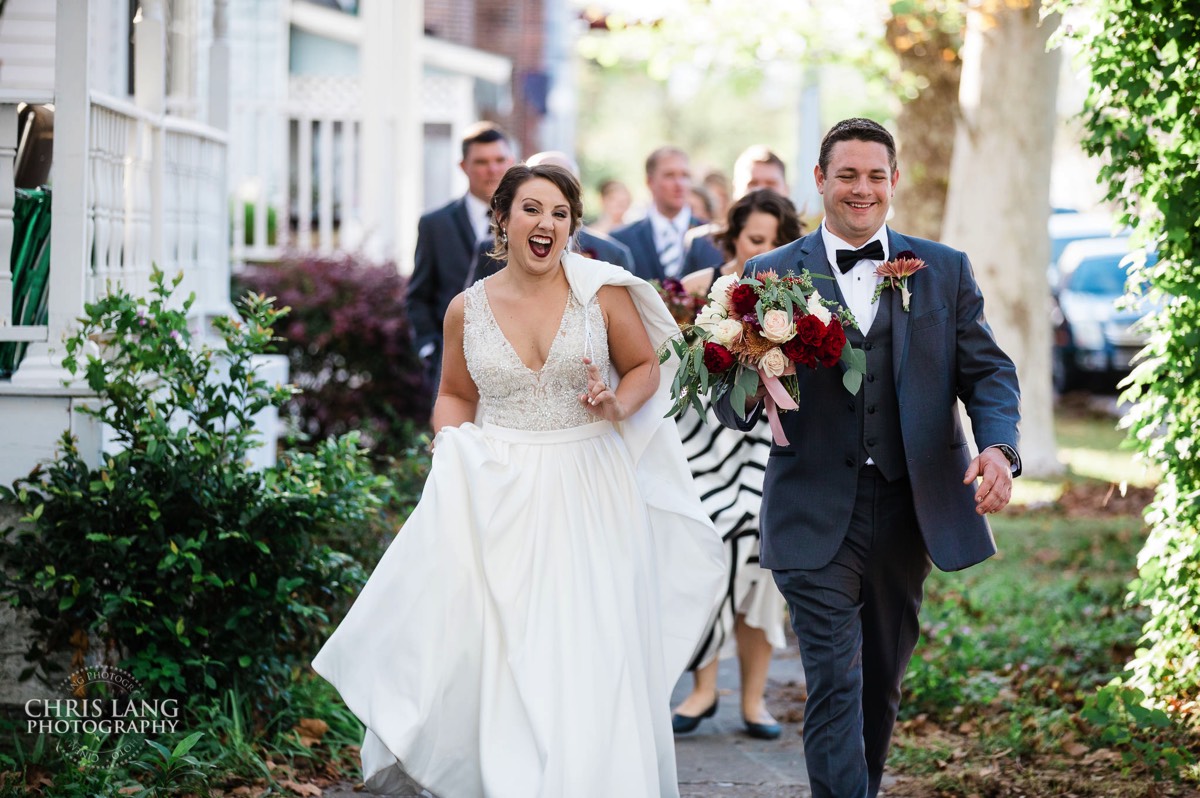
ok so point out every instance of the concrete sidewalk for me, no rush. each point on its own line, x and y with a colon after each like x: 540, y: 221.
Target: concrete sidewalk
x: 719, y: 760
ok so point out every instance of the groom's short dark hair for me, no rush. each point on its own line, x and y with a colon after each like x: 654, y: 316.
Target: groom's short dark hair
x: 856, y: 129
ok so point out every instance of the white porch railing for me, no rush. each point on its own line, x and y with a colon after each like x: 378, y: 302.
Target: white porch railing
x: 296, y: 173
x: 154, y: 195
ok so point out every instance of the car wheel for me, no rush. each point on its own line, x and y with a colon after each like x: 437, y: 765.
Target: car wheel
x: 1064, y: 373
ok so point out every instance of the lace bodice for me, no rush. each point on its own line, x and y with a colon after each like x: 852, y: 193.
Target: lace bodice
x: 513, y: 395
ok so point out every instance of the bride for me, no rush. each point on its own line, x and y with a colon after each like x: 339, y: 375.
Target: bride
x: 522, y: 633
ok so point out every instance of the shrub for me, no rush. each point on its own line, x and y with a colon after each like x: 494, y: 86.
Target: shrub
x: 350, y: 348
x: 190, y: 569
x: 1140, y: 120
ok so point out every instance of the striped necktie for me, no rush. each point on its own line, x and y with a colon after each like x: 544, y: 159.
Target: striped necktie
x: 670, y: 251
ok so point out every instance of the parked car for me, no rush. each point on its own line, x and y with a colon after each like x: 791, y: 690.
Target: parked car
x: 1096, y: 335
x: 1065, y: 228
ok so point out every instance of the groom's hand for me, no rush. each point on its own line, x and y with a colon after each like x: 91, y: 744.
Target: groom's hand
x: 752, y: 400
x: 995, y: 487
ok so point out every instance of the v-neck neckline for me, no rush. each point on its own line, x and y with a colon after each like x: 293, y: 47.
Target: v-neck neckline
x: 558, y: 333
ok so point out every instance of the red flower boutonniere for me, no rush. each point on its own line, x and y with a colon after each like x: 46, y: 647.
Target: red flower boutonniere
x: 895, y: 274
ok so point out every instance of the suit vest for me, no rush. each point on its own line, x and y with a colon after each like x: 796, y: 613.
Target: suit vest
x: 876, y: 405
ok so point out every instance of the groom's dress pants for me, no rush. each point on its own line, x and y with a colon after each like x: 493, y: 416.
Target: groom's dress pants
x: 856, y: 622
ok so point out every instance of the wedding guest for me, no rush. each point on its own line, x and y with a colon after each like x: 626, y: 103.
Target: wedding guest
x: 701, y: 202
x: 614, y: 204
x: 874, y: 486
x: 447, y: 239
x: 718, y: 188
x: 757, y: 167
x: 657, y: 240
x: 728, y: 467
x: 522, y: 634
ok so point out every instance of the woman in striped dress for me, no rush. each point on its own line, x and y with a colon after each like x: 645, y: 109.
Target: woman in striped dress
x: 728, y: 468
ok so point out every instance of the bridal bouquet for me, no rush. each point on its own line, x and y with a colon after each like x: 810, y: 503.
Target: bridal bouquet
x: 762, y: 328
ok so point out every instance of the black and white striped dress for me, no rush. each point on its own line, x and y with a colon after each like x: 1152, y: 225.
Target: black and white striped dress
x: 728, y: 467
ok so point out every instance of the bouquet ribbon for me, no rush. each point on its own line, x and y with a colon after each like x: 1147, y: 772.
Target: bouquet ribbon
x: 777, y: 399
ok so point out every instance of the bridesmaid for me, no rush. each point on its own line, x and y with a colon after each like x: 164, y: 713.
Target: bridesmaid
x: 728, y: 468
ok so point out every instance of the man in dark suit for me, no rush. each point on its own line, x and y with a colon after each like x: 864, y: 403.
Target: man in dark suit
x: 872, y: 486
x: 589, y: 243
x: 657, y: 240
x: 757, y: 167
x: 447, y: 240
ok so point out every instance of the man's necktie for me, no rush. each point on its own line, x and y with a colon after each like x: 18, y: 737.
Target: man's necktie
x: 670, y: 252
x: 846, y: 258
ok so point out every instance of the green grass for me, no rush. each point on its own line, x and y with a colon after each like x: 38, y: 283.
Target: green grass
x: 1014, y: 648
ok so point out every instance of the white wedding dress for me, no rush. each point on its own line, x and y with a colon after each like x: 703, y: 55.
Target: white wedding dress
x: 521, y: 636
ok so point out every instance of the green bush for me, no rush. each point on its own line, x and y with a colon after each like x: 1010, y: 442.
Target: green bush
x: 1140, y: 120
x: 186, y: 567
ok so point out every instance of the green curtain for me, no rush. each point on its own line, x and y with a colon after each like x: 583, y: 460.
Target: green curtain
x: 30, y: 269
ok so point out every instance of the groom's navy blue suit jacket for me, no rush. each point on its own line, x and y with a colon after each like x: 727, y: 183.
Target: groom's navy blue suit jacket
x: 944, y: 351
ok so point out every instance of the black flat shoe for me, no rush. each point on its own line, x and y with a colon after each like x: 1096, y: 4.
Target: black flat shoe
x: 763, y: 731
x: 682, y: 724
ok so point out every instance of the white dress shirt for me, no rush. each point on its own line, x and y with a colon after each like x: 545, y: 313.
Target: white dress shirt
x: 858, y: 284
x: 481, y: 219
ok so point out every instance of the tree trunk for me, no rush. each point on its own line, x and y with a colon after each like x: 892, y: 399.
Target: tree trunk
x: 999, y: 198
x: 926, y: 124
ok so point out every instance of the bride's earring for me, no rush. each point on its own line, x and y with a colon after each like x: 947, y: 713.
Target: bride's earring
x: 503, y: 236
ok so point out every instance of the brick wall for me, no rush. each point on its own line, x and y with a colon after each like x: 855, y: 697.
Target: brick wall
x: 452, y: 20
x: 511, y: 28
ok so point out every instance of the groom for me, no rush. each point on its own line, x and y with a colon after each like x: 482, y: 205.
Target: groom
x: 874, y: 486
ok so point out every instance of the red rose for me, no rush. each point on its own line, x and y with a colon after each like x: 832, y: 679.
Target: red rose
x: 810, y: 330
x: 742, y: 300
x: 716, y: 358
x: 797, y: 351
x: 831, y: 347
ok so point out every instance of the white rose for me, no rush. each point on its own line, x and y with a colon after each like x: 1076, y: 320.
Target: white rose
x: 727, y: 331
x: 815, y: 308
x: 777, y: 327
x: 710, y: 316
x: 774, y: 363
x: 719, y: 293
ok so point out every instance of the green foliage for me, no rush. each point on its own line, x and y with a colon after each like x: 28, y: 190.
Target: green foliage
x: 1140, y: 119
x: 349, y: 346
x: 188, y: 568
x: 172, y: 771
x: 1121, y: 718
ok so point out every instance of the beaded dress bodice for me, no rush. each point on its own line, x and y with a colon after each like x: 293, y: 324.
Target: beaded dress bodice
x: 513, y: 395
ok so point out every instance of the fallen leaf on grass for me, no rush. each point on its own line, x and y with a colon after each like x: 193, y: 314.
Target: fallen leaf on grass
x: 1101, y: 755
x: 301, y: 789
x: 311, y: 730
x: 1075, y: 748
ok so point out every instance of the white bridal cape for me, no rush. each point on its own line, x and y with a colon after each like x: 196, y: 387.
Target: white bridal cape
x: 521, y: 635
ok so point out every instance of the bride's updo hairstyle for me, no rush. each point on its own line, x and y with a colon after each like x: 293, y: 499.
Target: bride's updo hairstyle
x: 506, y: 194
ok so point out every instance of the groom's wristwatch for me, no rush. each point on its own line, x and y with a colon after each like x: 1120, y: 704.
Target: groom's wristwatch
x: 1009, y: 453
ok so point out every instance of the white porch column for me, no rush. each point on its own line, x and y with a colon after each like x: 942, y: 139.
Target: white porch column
x: 391, y: 160
x: 214, y: 292
x: 219, y: 76
x: 70, y: 260
x: 8, y: 199
x: 150, y: 95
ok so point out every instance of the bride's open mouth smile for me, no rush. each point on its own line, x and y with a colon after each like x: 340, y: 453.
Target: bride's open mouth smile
x: 540, y: 246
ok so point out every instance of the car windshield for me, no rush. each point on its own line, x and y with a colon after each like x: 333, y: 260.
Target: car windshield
x: 1101, y: 276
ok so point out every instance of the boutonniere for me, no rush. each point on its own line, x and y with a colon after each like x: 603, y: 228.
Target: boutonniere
x: 895, y: 274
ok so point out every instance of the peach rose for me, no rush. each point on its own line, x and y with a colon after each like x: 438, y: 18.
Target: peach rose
x: 774, y: 363
x: 777, y: 326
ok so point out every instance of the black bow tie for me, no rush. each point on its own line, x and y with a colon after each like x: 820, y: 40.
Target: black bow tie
x: 846, y: 258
